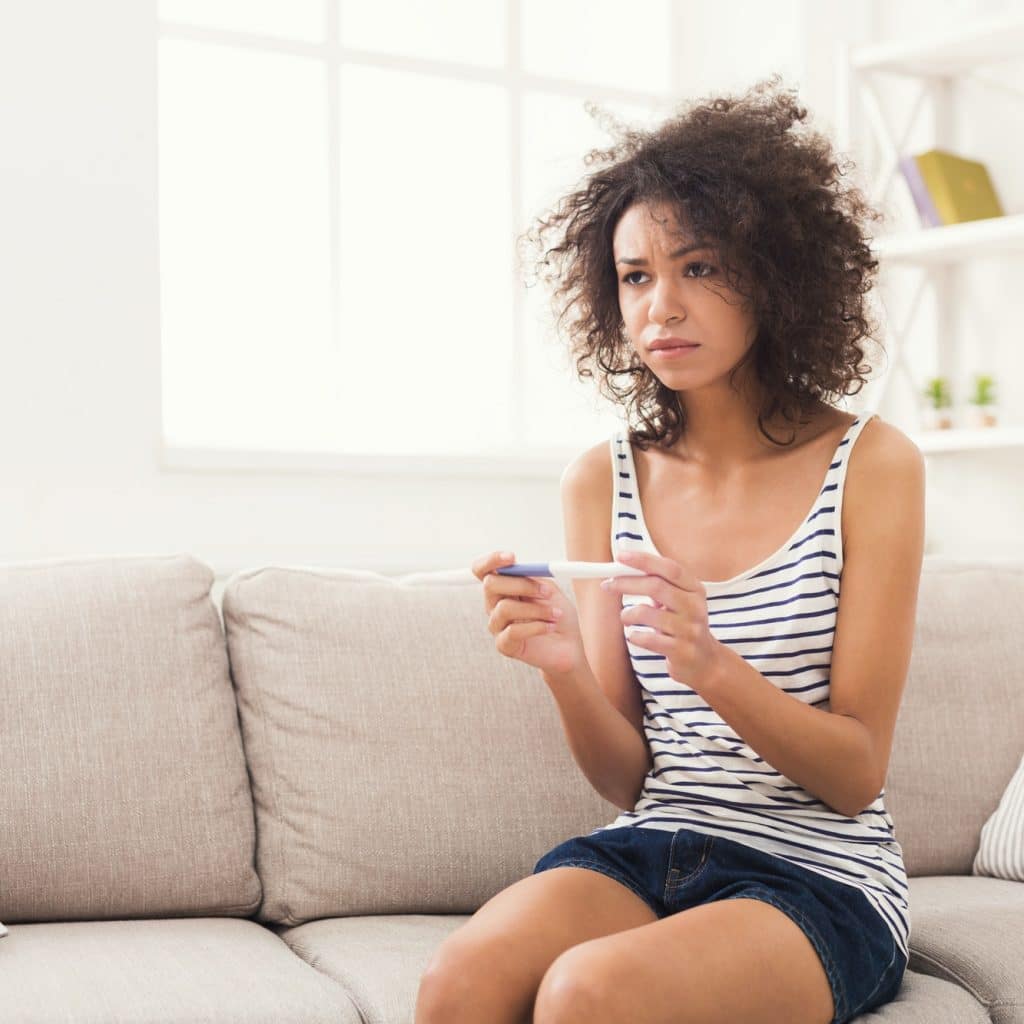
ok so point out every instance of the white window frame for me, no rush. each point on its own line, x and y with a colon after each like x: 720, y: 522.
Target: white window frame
x: 518, y: 461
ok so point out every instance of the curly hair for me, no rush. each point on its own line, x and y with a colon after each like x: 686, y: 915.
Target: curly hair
x: 789, y: 236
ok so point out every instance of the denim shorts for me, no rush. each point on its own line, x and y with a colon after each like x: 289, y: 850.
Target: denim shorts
x: 673, y: 871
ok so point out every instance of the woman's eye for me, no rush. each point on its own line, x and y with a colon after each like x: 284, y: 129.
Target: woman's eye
x: 705, y: 266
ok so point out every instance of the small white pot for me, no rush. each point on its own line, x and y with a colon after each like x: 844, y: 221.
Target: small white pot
x: 936, y: 419
x: 977, y: 417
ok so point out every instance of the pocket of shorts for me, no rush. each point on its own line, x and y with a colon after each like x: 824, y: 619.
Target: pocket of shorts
x: 685, y: 864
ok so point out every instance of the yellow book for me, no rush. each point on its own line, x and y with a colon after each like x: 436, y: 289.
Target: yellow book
x: 960, y: 189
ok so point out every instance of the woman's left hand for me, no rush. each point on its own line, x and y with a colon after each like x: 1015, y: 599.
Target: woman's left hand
x: 679, y: 616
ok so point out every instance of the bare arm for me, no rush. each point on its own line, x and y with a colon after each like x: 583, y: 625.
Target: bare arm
x: 600, y: 701
x: 607, y: 748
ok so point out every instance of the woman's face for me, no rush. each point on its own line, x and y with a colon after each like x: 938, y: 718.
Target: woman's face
x: 666, y: 292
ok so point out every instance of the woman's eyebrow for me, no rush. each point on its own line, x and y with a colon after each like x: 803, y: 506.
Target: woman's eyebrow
x: 634, y: 261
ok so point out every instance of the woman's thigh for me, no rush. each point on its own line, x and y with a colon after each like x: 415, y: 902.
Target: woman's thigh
x: 495, y: 962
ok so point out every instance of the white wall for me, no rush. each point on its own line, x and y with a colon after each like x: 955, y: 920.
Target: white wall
x: 79, y: 328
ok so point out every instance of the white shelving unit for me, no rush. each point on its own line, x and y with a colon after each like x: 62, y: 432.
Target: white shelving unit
x: 935, y: 62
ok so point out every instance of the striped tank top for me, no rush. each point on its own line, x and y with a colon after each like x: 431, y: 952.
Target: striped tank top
x: 780, y: 617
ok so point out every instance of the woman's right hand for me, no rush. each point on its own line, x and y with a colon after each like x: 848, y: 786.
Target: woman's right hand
x: 538, y: 628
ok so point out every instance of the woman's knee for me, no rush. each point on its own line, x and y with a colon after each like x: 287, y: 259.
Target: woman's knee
x: 459, y: 982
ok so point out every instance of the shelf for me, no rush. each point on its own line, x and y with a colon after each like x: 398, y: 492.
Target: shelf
x: 936, y: 61
x: 962, y: 440
x: 947, y: 53
x: 952, y: 242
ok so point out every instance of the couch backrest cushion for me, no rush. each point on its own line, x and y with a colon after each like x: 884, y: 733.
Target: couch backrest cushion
x: 960, y: 731
x: 124, y: 790
x: 399, y: 763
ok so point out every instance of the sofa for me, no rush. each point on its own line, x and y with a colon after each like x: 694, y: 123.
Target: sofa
x: 272, y: 803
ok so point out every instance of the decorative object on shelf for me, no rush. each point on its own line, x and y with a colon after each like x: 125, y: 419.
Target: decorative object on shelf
x: 949, y: 189
x: 951, y: 193
x: 983, y: 410
x: 936, y: 413
x: 919, y: 190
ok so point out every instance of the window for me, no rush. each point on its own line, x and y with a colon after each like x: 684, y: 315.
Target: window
x: 341, y: 188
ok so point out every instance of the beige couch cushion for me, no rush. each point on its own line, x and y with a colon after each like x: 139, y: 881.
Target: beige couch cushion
x: 125, y: 791
x: 199, y: 969
x: 958, y: 735
x: 923, y: 999
x: 970, y: 931
x: 379, y: 961
x: 399, y: 763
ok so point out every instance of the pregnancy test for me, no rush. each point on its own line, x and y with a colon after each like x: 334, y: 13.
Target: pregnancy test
x: 571, y: 570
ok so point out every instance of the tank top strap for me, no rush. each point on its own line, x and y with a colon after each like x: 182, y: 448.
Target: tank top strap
x: 627, y: 521
x: 845, y: 446
x: 831, y: 495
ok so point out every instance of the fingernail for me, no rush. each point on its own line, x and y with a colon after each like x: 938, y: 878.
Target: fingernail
x: 606, y: 584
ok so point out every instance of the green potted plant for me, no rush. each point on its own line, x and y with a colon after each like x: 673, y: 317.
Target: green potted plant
x: 938, y: 402
x: 982, y: 410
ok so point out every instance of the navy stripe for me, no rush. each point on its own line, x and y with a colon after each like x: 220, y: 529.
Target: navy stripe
x: 821, y: 574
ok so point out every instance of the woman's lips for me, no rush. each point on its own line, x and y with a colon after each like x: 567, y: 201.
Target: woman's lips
x: 674, y: 353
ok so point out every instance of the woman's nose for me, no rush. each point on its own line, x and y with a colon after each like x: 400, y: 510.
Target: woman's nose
x: 664, y: 303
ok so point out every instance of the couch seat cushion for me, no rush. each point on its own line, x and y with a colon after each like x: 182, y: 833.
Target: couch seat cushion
x: 378, y: 960
x: 161, y: 970
x: 968, y: 929
x: 923, y: 999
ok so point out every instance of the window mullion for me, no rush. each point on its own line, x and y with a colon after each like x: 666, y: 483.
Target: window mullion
x: 513, y: 55
x: 334, y: 197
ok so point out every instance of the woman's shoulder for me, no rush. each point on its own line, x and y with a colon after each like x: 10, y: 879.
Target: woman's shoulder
x: 881, y: 450
x: 591, y: 471
x: 884, y: 501
x: 587, y: 494
x: 880, y: 440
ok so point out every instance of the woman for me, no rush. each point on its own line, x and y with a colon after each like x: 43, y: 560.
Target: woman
x: 738, y: 712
